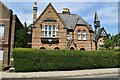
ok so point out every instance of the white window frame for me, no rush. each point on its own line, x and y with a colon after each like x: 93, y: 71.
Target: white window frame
x: 83, y: 34
x: 68, y: 37
x: 46, y: 30
x: 101, y: 42
x: 50, y: 31
x: 2, y: 30
x: 54, y: 30
x: 79, y: 35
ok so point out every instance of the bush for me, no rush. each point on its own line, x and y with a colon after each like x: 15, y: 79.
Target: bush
x: 26, y: 59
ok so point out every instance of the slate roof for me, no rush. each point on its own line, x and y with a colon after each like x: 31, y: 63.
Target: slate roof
x: 98, y: 35
x: 72, y: 19
x: 69, y: 20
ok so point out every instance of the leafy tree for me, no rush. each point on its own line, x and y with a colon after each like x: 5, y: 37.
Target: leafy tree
x: 22, y: 38
x: 116, y: 40
x: 110, y: 44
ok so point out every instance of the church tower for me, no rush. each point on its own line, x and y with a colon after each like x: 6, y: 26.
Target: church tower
x: 96, y: 23
x: 34, y: 11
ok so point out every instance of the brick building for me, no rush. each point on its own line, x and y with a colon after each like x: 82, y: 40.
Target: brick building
x: 65, y: 31
x: 9, y: 24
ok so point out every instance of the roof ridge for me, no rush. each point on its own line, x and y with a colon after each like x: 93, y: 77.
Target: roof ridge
x: 69, y: 14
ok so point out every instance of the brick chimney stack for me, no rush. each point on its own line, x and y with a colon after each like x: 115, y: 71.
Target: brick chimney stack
x: 34, y: 11
x: 66, y: 10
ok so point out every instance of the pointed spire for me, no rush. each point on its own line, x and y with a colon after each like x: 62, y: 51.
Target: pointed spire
x: 96, y: 17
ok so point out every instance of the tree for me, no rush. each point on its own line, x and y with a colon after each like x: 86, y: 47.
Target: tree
x: 116, y: 40
x: 112, y: 43
x: 108, y: 44
x: 22, y: 38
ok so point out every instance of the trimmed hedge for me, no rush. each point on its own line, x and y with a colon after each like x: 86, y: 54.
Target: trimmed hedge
x: 27, y: 59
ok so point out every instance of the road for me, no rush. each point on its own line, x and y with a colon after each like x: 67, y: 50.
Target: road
x: 93, y: 77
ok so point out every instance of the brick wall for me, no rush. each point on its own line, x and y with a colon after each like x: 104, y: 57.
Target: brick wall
x: 37, y: 32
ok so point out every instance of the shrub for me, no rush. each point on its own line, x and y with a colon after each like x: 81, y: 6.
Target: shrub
x: 26, y: 59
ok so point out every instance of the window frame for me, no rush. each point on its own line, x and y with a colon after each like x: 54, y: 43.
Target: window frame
x: 84, y: 35
x: 2, y: 32
x: 79, y: 35
x: 51, y: 31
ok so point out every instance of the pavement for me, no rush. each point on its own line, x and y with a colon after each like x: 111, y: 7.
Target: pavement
x: 48, y: 74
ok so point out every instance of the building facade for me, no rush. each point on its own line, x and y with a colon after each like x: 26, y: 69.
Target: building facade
x: 9, y: 23
x: 64, y: 31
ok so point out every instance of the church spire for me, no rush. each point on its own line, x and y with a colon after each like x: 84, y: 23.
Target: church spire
x: 96, y: 23
x: 96, y: 17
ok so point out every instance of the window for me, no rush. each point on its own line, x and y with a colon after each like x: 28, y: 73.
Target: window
x: 68, y: 37
x: 103, y: 33
x: 42, y: 48
x: 45, y: 30
x: 84, y: 34
x: 79, y: 35
x: 2, y: 30
x: 54, y: 31
x: 56, y: 48
x: 82, y: 49
x: 50, y: 31
x: 101, y: 42
x: 72, y: 48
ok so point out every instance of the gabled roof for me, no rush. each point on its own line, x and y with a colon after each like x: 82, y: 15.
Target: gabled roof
x: 45, y: 10
x: 71, y: 20
x: 3, y: 5
x: 98, y: 35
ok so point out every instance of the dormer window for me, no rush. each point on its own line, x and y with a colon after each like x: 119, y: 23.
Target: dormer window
x: 103, y: 33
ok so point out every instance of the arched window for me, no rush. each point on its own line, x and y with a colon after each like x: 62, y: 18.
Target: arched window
x: 82, y: 49
x: 72, y: 48
x: 79, y: 35
x: 101, y: 42
x: 42, y: 48
x: 84, y: 34
x: 56, y: 48
x: 50, y: 31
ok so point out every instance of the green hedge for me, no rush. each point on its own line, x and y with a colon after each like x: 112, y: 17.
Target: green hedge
x: 26, y: 59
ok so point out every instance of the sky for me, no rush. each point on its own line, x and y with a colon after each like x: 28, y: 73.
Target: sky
x: 107, y: 11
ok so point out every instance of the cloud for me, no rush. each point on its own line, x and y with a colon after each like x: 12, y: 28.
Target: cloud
x: 107, y: 11
x: 108, y: 15
x: 61, y: 0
